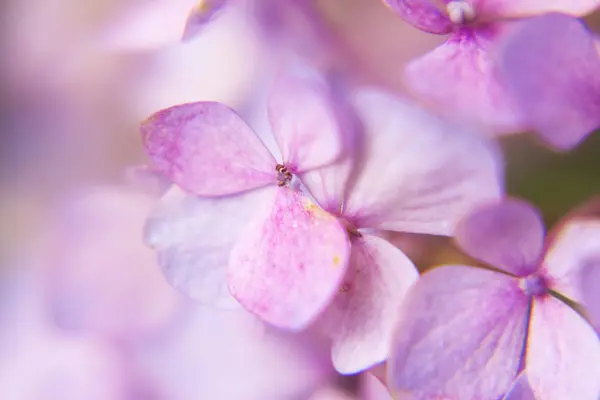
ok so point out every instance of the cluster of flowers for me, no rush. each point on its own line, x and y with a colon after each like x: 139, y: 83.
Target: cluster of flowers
x: 276, y: 225
x: 294, y: 228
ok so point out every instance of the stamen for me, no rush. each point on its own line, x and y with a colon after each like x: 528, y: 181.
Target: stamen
x: 460, y: 12
x: 284, y: 176
x: 534, y: 285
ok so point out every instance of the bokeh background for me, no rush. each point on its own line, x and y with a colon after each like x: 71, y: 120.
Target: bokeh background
x: 71, y: 101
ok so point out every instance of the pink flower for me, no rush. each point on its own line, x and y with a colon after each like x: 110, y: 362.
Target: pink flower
x: 149, y: 24
x: 463, y: 77
x: 288, y: 256
x: 230, y: 354
x: 39, y: 361
x: 410, y: 175
x: 98, y: 264
x: 466, y: 333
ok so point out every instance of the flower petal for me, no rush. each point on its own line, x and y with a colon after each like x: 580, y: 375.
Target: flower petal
x: 424, y: 14
x: 415, y: 176
x: 287, y: 265
x: 361, y: 318
x: 230, y: 354
x: 559, y: 49
x: 98, y: 262
x: 528, y: 8
x: 460, y: 336
x: 373, y: 389
x: 461, y: 80
x: 591, y: 293
x: 507, y: 235
x: 563, y: 353
x: 521, y: 390
x: 202, y: 13
x: 194, y: 238
x: 575, y: 249
x: 207, y: 149
x: 149, y: 25
x: 304, y: 119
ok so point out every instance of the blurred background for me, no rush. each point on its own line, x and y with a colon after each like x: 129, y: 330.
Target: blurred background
x: 71, y: 99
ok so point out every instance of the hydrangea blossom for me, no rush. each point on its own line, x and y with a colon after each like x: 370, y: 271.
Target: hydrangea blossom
x: 403, y: 181
x: 466, y: 332
x: 39, y: 361
x: 383, y: 184
x: 230, y: 354
x: 462, y: 77
x: 288, y: 264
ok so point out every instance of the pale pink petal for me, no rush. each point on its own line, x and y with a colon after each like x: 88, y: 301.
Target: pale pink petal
x: 304, y: 119
x: 231, y: 355
x: 361, y: 318
x: 328, y: 185
x: 288, y: 264
x: 373, y: 389
x: 507, y: 235
x: 199, y: 15
x: 563, y: 353
x: 194, y: 238
x: 207, y: 149
x: 528, y: 8
x: 521, y: 390
x: 559, y: 49
x: 99, y: 264
x: 574, y: 249
x: 149, y: 24
x: 591, y: 293
x: 424, y: 14
x: 460, y: 335
x: 415, y: 176
x: 51, y: 367
x: 460, y: 79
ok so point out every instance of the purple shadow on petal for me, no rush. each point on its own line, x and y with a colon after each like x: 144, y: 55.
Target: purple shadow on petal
x: 201, y: 14
x: 521, y: 390
x: 460, y: 335
x: 552, y: 67
x: 507, y: 235
x: 423, y: 14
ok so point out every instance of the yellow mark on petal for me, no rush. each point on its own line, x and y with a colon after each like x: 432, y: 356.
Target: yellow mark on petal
x: 336, y: 260
x: 315, y: 210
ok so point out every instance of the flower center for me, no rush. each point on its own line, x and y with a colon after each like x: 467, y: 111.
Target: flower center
x: 534, y: 285
x: 284, y: 176
x: 460, y: 12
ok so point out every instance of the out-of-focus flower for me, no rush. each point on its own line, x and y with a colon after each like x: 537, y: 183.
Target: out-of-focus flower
x: 230, y: 355
x: 151, y: 24
x: 398, y: 181
x: 564, y: 107
x: 280, y: 263
x: 101, y: 278
x: 40, y: 361
x: 466, y: 332
x: 462, y: 76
